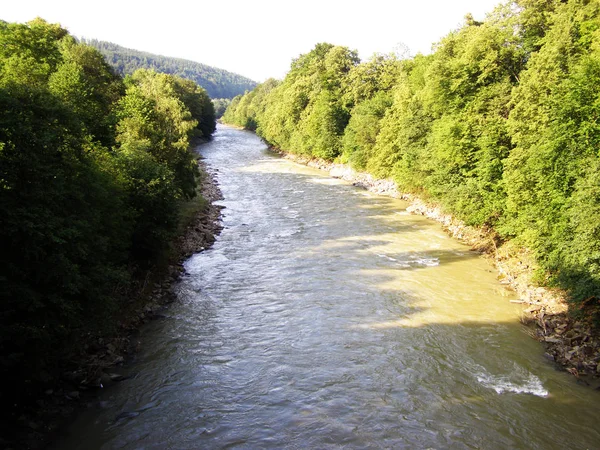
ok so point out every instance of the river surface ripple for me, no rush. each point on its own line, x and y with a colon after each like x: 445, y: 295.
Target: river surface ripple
x: 327, y: 317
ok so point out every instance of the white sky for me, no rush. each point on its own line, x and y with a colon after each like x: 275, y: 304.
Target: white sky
x: 255, y: 38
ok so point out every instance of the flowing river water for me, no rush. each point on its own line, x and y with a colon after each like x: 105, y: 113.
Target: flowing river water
x: 327, y: 317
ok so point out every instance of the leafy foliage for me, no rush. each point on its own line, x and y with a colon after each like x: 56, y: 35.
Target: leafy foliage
x: 220, y: 105
x: 550, y: 176
x: 218, y: 83
x: 91, y: 171
x: 498, y: 125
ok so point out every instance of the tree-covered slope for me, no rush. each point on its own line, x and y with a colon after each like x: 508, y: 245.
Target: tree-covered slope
x: 218, y: 83
x: 93, y: 168
x: 499, y: 126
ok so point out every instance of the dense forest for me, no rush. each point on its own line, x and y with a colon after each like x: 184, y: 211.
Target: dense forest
x: 499, y: 125
x: 220, y: 105
x: 93, y: 168
x: 217, y: 82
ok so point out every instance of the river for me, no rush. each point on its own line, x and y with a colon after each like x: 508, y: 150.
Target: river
x: 327, y: 317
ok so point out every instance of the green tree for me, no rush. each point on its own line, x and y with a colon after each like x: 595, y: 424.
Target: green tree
x: 164, y: 131
x: 220, y: 105
x: 198, y: 103
x: 549, y: 176
x: 90, y: 178
x: 218, y: 83
x: 498, y: 126
x: 369, y: 91
x: 62, y: 230
x: 30, y: 52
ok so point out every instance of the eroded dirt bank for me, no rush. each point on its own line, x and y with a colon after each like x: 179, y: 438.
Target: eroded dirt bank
x: 573, y: 344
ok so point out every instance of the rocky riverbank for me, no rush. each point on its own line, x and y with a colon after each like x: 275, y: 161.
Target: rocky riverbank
x: 99, y: 366
x: 573, y: 344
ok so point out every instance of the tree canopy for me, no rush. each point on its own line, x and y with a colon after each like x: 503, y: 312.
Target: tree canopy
x: 218, y: 83
x: 92, y: 169
x: 497, y: 125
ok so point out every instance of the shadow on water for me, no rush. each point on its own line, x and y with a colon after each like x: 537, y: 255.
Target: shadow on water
x: 323, y: 318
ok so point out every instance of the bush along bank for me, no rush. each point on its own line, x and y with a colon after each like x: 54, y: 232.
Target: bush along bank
x: 96, y: 175
x: 98, y: 365
x: 497, y: 126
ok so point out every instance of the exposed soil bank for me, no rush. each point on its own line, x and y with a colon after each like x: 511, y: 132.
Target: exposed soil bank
x: 573, y: 344
x: 99, y: 367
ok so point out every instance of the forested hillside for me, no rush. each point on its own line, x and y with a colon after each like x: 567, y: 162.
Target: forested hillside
x: 93, y: 168
x: 217, y: 82
x: 499, y: 125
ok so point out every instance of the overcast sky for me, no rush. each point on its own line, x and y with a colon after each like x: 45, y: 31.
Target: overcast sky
x: 258, y: 38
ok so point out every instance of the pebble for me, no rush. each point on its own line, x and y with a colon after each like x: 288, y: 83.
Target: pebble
x: 73, y: 395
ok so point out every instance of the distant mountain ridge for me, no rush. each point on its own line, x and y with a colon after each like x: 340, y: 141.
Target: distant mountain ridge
x: 218, y: 83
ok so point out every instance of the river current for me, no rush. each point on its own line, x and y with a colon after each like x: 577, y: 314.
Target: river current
x: 325, y: 317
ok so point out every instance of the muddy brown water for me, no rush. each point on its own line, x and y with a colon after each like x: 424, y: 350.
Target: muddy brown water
x: 327, y: 317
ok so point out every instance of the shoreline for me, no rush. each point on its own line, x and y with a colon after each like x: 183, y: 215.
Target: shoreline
x: 573, y: 345
x: 99, y: 368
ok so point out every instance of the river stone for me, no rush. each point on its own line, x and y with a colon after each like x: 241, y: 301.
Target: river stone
x: 560, y: 329
x: 105, y: 379
x: 116, y: 376
x: 74, y: 395
x: 587, y: 350
x: 570, y: 334
x: 551, y: 357
x: 569, y: 355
